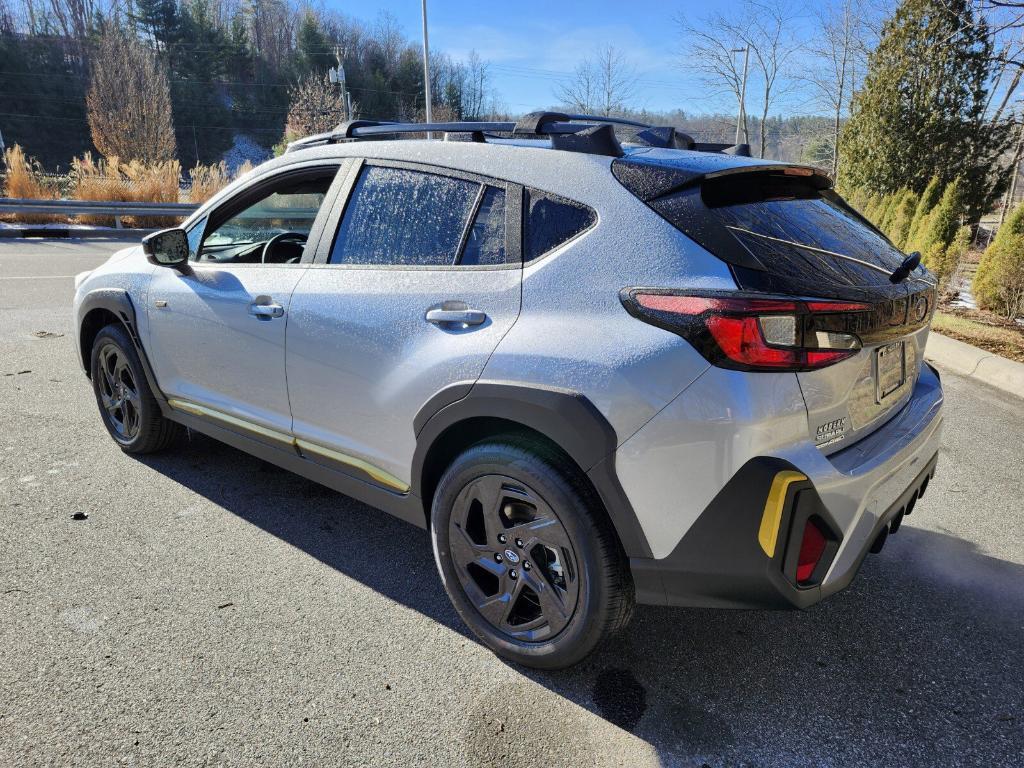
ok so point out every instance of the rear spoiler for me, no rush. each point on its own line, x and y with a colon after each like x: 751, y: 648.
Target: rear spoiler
x: 649, y: 180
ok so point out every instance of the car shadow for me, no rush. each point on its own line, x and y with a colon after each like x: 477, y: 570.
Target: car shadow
x: 919, y: 662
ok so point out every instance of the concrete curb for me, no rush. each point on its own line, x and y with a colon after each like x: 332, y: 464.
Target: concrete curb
x: 78, y: 233
x: 974, y: 363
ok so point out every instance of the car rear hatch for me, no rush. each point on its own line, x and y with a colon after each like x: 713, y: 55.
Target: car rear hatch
x: 785, y: 233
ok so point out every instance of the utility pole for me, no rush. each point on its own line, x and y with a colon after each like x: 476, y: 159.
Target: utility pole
x: 338, y: 76
x: 426, y: 69
x: 741, y: 118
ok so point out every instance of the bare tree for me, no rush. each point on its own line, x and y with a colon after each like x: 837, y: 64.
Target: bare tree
x: 837, y: 54
x: 76, y: 19
x: 6, y: 19
x: 711, y: 47
x: 129, y: 101
x: 761, y: 26
x: 317, y: 106
x: 477, y: 82
x: 604, y: 84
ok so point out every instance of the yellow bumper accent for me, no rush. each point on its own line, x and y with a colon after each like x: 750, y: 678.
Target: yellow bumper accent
x: 768, y: 535
x: 378, y: 474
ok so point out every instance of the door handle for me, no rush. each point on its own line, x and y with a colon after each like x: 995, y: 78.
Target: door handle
x: 462, y: 316
x: 266, y: 311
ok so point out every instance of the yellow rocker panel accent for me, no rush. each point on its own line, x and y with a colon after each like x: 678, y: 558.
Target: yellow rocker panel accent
x: 378, y: 474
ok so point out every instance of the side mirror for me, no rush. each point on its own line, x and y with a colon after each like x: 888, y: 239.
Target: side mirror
x: 167, y: 248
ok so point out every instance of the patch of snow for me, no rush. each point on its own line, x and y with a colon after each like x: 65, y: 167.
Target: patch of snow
x: 245, y: 148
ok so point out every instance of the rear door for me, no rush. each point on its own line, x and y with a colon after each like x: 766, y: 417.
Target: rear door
x: 414, y: 291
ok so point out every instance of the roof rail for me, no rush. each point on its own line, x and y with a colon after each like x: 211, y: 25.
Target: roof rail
x: 591, y: 134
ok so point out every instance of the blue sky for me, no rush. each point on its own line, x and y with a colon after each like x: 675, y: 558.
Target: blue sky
x: 532, y: 45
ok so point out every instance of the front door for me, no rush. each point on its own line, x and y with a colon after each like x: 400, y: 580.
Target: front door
x: 217, y: 330
x: 420, y: 284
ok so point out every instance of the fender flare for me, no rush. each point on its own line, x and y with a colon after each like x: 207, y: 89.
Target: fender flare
x: 567, y: 418
x: 118, y: 302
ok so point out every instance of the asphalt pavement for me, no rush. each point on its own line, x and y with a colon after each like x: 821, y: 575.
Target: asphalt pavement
x: 212, y: 610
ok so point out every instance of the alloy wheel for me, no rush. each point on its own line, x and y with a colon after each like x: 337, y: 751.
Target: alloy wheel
x: 514, y: 558
x: 119, y: 392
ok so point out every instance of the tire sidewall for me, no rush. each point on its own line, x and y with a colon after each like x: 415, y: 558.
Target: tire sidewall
x: 585, y: 628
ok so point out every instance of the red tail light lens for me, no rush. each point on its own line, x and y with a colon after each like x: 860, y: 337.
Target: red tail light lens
x: 812, y: 547
x: 749, y: 332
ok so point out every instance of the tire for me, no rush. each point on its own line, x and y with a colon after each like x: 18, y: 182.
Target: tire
x: 129, y: 411
x: 557, y: 584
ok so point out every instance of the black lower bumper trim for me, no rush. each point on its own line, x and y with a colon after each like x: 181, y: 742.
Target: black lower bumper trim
x: 720, y: 564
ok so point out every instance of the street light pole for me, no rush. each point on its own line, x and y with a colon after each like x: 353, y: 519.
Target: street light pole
x: 741, y: 118
x: 426, y: 68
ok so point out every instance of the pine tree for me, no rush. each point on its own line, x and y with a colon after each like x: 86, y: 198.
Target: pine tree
x: 899, y: 223
x: 313, y: 54
x: 922, y: 110
x: 999, y: 283
x: 943, y: 224
x: 872, y: 205
x: 886, y: 211
x: 927, y: 202
x: 198, y: 55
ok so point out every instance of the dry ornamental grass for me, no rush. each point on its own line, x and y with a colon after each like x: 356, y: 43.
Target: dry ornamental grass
x: 25, y: 180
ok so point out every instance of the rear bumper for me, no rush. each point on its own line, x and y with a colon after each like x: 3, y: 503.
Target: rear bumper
x: 853, y: 495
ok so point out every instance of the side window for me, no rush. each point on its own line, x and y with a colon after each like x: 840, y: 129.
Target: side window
x: 485, y: 243
x: 551, y: 221
x: 400, y: 216
x: 272, y: 228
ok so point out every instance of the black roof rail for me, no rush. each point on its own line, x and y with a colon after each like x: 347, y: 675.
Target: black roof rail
x: 591, y: 134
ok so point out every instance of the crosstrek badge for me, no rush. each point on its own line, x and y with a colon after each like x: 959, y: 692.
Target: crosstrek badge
x: 831, y: 432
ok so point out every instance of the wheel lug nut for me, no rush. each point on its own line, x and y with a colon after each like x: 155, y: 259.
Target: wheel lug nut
x: 498, y: 557
x: 512, y: 574
x: 526, y: 565
x: 501, y: 538
x: 519, y: 543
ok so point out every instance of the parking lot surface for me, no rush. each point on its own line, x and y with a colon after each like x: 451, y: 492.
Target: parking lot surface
x: 213, y: 610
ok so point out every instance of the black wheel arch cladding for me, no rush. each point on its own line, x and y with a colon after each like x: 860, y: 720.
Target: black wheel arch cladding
x: 566, y: 418
x: 117, y: 303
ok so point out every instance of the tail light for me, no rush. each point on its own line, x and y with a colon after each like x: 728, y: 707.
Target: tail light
x: 812, y: 547
x: 749, y: 332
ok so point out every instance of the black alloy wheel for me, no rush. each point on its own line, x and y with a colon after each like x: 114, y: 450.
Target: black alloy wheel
x: 513, y: 558
x: 130, y: 412
x: 527, y: 553
x: 118, y: 392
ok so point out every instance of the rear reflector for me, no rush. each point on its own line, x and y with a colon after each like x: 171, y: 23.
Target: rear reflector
x: 750, y: 332
x: 812, y: 547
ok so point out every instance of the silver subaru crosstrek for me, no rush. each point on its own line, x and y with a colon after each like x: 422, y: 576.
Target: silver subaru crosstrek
x: 600, y: 372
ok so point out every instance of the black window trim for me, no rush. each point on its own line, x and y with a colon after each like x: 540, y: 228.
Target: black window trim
x: 225, y: 209
x: 514, y: 196
x: 467, y: 226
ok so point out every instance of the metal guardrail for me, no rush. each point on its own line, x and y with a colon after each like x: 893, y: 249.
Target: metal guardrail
x: 95, y: 208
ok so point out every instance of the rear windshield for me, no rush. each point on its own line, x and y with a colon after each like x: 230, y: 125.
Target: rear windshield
x: 797, y: 230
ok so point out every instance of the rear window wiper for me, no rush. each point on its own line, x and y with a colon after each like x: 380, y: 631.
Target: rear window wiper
x: 894, y: 276
x: 903, y: 270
